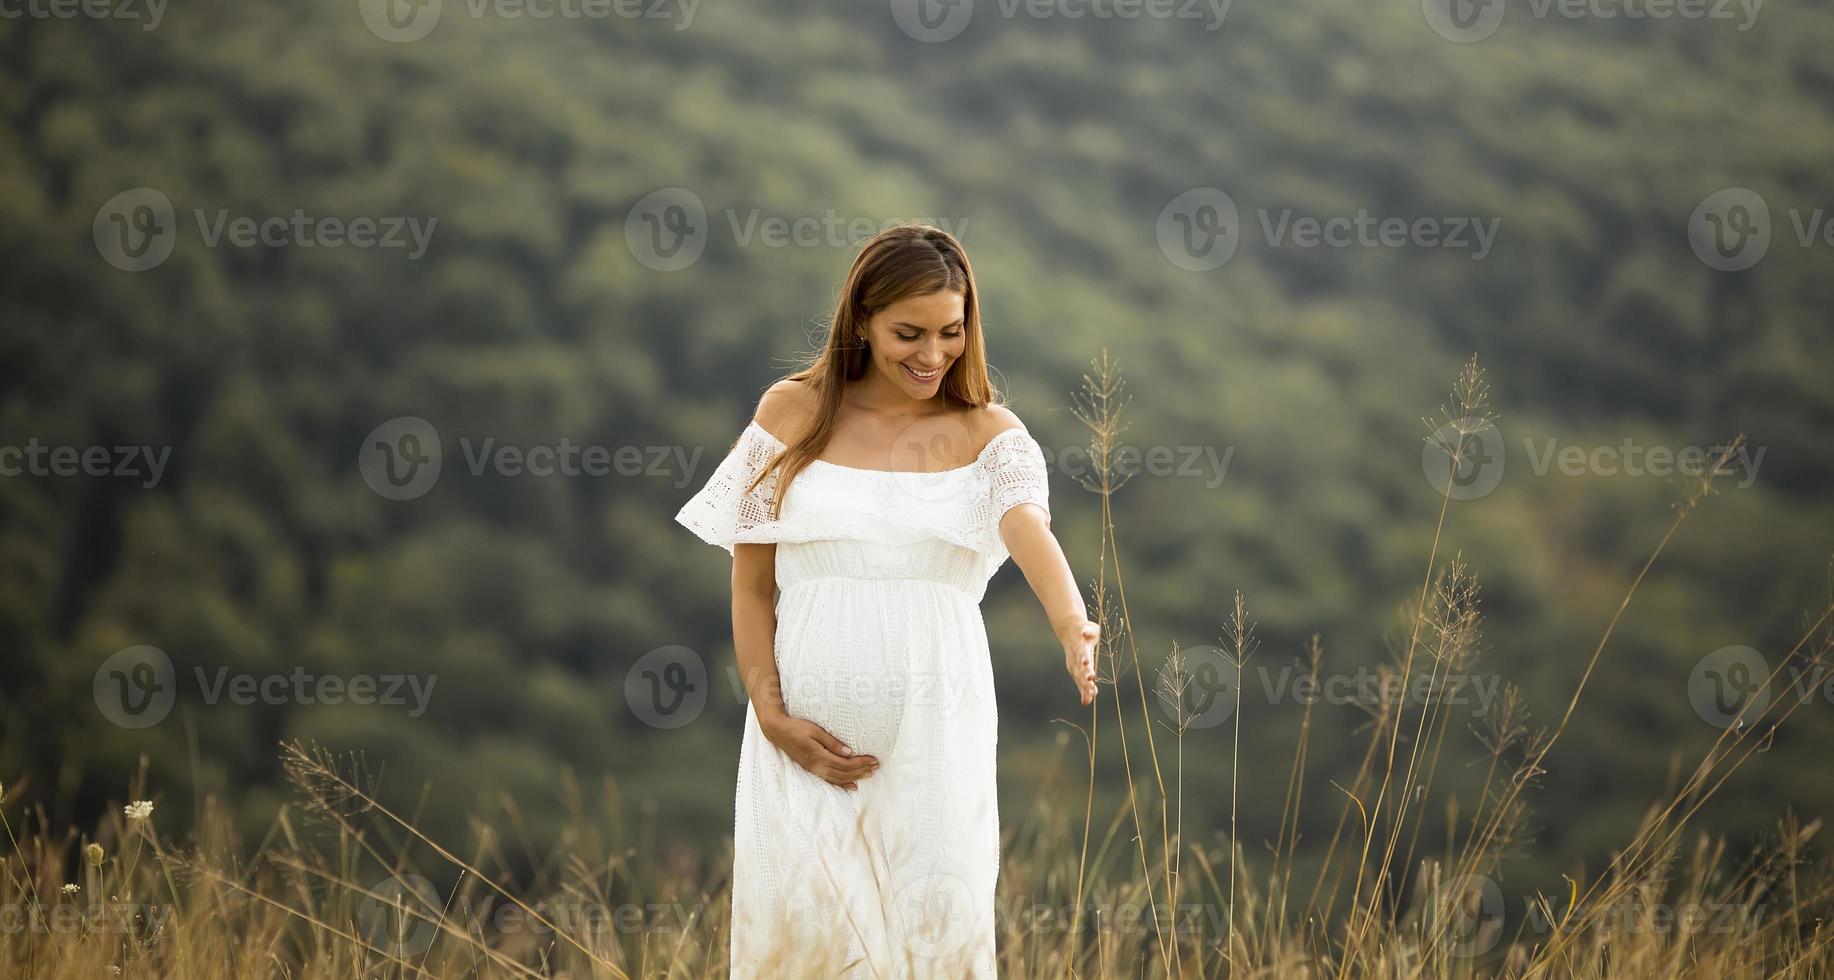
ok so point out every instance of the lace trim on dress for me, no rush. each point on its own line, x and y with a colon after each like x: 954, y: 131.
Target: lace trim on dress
x: 885, y: 506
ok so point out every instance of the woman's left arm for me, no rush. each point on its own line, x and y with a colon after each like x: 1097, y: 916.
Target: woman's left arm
x: 1026, y: 531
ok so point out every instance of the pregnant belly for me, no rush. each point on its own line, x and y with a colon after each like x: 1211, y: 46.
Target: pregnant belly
x: 857, y: 656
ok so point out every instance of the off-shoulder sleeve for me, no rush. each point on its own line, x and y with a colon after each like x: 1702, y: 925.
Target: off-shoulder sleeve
x: 1016, y: 473
x: 723, y: 512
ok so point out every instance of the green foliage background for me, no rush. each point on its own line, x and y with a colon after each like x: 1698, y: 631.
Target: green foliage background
x: 1052, y: 144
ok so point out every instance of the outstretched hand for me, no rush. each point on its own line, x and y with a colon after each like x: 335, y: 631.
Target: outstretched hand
x: 1079, y: 640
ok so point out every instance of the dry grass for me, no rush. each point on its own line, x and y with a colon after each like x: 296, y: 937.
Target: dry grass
x: 335, y: 891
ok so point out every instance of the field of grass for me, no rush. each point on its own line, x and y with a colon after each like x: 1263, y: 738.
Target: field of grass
x: 343, y: 886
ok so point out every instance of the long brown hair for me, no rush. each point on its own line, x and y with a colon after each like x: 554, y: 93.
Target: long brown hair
x: 902, y: 261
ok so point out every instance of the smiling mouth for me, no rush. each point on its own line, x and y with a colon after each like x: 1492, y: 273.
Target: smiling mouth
x: 920, y: 377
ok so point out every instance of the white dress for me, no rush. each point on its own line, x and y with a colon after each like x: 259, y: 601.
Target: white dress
x: 880, y: 641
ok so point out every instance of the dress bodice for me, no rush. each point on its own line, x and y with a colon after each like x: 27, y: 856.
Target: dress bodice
x: 939, y: 526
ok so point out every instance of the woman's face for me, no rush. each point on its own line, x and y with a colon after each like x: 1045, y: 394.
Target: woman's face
x: 915, y: 340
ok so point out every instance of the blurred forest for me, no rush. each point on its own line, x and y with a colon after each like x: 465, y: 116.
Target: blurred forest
x: 1052, y: 146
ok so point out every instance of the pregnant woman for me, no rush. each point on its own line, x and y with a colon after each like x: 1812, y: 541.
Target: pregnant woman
x: 877, y: 491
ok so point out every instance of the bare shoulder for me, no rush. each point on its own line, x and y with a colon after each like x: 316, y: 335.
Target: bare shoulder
x: 784, y: 407
x: 991, y: 420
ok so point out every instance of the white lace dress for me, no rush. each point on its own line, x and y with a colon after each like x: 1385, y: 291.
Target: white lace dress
x: 880, y: 641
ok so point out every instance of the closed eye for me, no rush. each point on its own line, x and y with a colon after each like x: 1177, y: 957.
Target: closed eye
x: 947, y: 336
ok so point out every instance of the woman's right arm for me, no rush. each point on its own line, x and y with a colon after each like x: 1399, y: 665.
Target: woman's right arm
x: 754, y: 635
x: 754, y: 628
x: 754, y: 642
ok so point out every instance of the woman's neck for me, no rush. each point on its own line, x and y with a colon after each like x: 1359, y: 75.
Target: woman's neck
x: 880, y: 397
